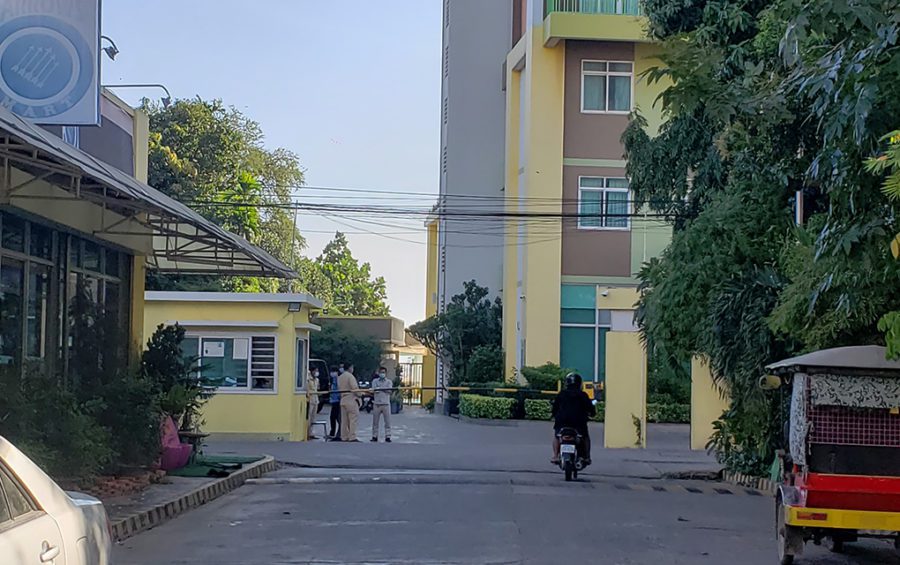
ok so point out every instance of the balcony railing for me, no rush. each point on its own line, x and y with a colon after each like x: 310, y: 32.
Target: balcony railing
x: 613, y: 7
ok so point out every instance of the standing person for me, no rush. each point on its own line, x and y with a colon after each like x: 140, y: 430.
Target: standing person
x: 349, y: 391
x: 312, y: 396
x: 334, y: 399
x: 381, y: 389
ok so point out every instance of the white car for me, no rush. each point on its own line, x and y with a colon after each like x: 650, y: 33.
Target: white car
x: 42, y: 524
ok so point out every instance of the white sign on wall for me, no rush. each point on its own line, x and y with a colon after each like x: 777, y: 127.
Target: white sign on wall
x: 49, y: 60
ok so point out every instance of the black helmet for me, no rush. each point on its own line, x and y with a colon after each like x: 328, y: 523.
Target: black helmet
x: 573, y: 381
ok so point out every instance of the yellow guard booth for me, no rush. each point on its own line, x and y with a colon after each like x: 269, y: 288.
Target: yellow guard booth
x: 256, y: 346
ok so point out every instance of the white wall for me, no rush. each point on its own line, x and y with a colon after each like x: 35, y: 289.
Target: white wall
x: 476, y: 42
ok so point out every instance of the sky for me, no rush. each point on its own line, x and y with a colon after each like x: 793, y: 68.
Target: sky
x: 351, y: 86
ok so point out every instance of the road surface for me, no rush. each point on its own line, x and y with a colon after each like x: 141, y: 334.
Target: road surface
x: 461, y: 511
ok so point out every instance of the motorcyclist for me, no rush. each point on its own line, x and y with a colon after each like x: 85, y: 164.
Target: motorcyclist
x: 572, y: 408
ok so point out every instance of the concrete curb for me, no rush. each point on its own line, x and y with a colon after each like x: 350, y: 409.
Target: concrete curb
x: 128, y: 526
x: 510, y: 423
x: 743, y: 480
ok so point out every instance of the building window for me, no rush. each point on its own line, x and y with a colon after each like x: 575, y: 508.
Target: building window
x: 606, y: 86
x: 603, y: 203
x: 302, y: 363
x: 63, y: 301
x: 235, y: 362
x: 582, y: 341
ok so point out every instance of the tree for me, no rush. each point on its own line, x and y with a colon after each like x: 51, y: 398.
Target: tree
x: 212, y: 158
x: 350, y: 286
x: 471, y: 321
x: 335, y: 344
x: 768, y: 99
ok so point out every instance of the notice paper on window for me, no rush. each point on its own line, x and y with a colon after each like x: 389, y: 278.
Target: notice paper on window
x: 213, y: 348
x: 241, y: 348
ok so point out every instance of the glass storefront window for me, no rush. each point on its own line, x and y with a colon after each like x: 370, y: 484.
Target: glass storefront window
x: 111, y: 266
x: 13, y: 233
x: 577, y: 350
x: 74, y: 253
x: 582, y: 341
x: 12, y: 282
x: 59, y: 292
x: 41, y: 244
x: 91, y: 256
x: 38, y: 294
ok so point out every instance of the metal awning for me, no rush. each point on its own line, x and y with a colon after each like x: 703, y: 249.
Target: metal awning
x: 183, y: 240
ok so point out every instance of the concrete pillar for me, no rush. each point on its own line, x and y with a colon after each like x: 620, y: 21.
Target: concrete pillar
x: 707, y: 403
x: 626, y: 391
x: 429, y: 377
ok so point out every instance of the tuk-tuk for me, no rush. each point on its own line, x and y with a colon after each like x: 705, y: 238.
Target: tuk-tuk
x: 840, y: 475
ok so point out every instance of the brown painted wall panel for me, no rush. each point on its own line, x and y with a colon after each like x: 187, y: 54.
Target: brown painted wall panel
x: 592, y: 252
x: 592, y: 136
x: 518, y: 24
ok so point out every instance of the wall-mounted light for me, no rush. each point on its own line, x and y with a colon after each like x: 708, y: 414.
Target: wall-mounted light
x: 294, y: 307
x: 111, y: 50
x: 166, y: 100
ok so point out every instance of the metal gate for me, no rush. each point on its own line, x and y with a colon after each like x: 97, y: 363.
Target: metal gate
x: 412, y: 377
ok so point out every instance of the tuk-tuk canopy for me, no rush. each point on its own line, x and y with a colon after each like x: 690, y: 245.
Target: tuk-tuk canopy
x: 861, y: 359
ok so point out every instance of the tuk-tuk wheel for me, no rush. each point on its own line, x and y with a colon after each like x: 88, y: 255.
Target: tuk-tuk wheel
x: 787, y: 537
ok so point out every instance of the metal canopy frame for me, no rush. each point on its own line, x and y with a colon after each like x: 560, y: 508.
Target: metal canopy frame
x: 182, y: 240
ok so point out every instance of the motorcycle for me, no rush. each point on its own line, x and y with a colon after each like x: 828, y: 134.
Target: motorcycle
x: 571, y: 452
x: 367, y: 402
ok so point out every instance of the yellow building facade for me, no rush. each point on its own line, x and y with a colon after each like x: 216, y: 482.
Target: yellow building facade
x: 256, y: 346
x: 573, y: 77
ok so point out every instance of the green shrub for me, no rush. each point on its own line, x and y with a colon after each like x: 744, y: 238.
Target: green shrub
x: 485, y: 364
x: 601, y: 412
x: 429, y: 405
x: 50, y: 425
x: 669, y: 413
x: 129, y: 409
x: 660, y: 398
x: 536, y: 409
x: 544, y: 377
x: 475, y: 406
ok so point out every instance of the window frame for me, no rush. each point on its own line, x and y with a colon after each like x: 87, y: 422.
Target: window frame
x: 297, y: 362
x: 604, y: 190
x: 14, y: 521
x: 597, y: 326
x: 248, y: 388
x: 606, y: 74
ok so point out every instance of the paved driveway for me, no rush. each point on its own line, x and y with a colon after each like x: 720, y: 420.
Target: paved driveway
x: 454, y: 492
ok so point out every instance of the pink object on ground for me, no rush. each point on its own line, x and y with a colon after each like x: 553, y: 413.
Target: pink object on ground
x: 175, y: 454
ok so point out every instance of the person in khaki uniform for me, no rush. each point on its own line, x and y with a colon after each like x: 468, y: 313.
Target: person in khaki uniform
x: 312, y: 395
x: 381, y: 389
x: 349, y: 389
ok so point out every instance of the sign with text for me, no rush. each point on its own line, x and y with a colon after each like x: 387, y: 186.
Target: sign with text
x: 49, y: 60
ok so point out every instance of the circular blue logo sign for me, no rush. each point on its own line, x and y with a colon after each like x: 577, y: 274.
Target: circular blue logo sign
x: 46, y: 66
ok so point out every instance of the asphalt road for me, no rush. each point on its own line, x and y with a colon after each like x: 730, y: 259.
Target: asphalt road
x: 372, y: 513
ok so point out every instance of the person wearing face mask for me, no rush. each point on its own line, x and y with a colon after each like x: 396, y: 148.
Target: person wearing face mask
x: 348, y: 388
x: 381, y: 389
x: 334, y: 399
x: 312, y: 390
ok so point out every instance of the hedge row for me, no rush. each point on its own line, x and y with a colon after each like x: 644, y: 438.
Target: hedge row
x: 475, y: 406
x: 540, y: 410
x: 669, y: 413
x: 656, y: 413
